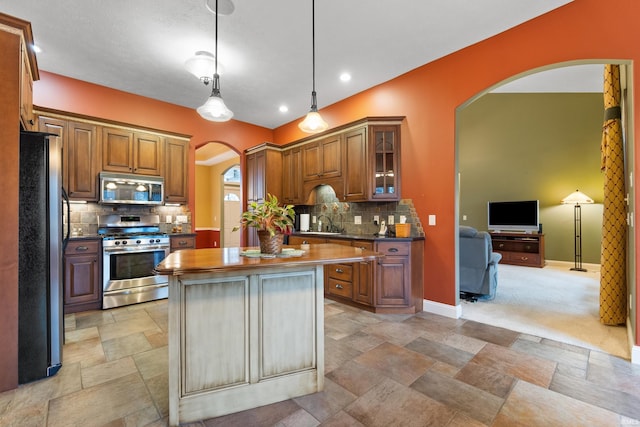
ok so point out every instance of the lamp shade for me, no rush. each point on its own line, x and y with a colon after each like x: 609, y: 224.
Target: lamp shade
x: 202, y: 65
x: 577, y: 198
x: 215, y: 110
x: 313, y: 123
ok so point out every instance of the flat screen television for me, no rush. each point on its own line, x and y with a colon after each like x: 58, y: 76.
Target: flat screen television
x: 514, y: 216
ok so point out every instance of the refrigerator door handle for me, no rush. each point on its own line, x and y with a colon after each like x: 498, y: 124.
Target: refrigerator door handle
x: 65, y: 239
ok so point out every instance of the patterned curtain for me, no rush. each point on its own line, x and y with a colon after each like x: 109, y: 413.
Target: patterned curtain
x: 613, y: 287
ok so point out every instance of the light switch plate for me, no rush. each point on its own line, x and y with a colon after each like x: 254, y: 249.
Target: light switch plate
x: 181, y: 218
x: 432, y: 220
x: 168, y: 219
x: 376, y: 219
x: 391, y: 220
x: 357, y: 220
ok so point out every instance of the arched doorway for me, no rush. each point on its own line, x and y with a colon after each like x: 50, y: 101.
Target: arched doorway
x: 213, y: 161
x: 558, y: 224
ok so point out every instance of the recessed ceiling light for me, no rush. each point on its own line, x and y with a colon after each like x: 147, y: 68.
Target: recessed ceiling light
x: 345, y: 77
x: 283, y: 108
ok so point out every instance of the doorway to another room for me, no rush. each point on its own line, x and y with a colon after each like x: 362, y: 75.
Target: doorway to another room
x: 218, y: 181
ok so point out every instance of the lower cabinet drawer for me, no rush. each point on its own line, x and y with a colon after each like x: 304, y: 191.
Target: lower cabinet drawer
x: 523, y: 258
x: 342, y: 272
x: 340, y: 288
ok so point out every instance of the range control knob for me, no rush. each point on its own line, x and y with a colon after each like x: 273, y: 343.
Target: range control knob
x: 124, y: 242
x: 117, y: 242
x: 138, y: 242
x: 157, y: 240
x: 150, y: 240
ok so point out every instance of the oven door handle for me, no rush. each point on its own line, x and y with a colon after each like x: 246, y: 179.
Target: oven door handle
x: 124, y: 249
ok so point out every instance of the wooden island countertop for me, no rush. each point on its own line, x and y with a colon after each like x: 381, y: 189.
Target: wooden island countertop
x: 228, y: 259
x: 246, y: 331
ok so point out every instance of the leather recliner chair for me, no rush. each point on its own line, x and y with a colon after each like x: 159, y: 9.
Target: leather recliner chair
x: 478, y: 264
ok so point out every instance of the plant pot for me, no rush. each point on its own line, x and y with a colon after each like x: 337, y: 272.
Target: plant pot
x: 270, y: 244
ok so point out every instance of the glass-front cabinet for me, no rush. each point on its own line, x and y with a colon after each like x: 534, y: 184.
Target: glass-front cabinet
x: 385, y: 149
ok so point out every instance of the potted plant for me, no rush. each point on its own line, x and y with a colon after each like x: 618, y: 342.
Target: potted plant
x: 271, y: 221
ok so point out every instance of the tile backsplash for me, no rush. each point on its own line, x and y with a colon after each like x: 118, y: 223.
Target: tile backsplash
x: 341, y: 215
x: 84, y: 216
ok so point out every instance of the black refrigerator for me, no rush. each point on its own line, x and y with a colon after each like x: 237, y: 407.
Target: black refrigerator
x: 40, y: 315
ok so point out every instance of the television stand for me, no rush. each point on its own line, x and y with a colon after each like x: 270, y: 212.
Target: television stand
x: 519, y: 249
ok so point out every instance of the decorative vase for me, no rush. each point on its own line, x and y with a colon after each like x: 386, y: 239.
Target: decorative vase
x: 270, y: 244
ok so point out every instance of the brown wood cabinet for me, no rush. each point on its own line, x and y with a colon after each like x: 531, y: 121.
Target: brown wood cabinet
x: 360, y: 160
x: 82, y: 284
x: 356, y: 183
x: 322, y: 159
x: 393, y: 284
x: 27, y: 117
x: 263, y: 176
x: 14, y: 34
x: 384, y: 162
x: 126, y: 151
x: 399, y: 276
x: 176, y: 171
x: 519, y: 249
x: 182, y: 242
x: 85, y: 148
x: 292, y: 176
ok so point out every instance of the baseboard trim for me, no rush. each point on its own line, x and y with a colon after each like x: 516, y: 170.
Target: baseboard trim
x: 453, y: 311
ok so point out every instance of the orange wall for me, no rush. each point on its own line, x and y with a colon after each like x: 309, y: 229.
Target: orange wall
x: 75, y: 96
x: 430, y: 95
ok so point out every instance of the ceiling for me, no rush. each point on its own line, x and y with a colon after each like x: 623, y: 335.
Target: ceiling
x: 265, y: 47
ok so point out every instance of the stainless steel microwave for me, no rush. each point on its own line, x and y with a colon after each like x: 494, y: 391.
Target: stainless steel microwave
x: 127, y: 189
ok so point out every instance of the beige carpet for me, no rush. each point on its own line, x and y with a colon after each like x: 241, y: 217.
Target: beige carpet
x: 551, y: 302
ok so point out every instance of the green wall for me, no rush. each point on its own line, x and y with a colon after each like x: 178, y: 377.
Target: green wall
x: 534, y: 146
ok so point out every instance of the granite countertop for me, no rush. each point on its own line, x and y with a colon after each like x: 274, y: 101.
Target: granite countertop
x: 371, y: 237
x: 229, y: 259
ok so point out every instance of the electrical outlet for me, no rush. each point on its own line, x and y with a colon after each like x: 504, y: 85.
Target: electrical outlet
x: 432, y: 220
x: 181, y: 218
x: 313, y: 219
x: 391, y: 220
x: 168, y: 219
x: 464, y: 217
x: 376, y: 219
x: 357, y: 220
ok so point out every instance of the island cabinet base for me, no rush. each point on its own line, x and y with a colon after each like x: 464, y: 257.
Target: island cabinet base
x: 241, y: 339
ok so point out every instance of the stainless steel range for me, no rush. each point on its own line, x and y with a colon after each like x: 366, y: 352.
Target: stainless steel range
x: 132, y: 246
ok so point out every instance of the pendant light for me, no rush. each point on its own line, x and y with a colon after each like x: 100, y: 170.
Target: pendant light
x: 214, y: 109
x: 313, y: 122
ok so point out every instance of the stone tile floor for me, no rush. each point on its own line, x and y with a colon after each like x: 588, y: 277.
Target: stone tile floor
x: 381, y: 370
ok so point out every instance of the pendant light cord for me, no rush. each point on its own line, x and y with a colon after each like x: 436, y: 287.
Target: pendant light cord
x: 313, y: 42
x: 216, y: 45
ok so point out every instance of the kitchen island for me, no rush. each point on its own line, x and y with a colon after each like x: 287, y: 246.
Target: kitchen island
x: 246, y: 331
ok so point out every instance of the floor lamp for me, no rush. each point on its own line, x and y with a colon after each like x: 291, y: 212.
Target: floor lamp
x: 576, y: 199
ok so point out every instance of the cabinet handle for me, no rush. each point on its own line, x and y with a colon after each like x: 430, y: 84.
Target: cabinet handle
x: 524, y: 258
x: 501, y: 245
x: 339, y: 287
x: 82, y: 248
x: 304, y: 242
x: 339, y: 270
x: 182, y: 242
x: 393, y: 250
x: 31, y: 122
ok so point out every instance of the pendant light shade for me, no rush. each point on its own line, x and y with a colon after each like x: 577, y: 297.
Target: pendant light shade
x: 313, y: 122
x: 214, y: 109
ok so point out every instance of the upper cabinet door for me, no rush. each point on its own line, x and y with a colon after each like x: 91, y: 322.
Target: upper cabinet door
x: 176, y: 171
x: 147, y: 154
x: 117, y: 150
x: 385, y: 160
x: 126, y: 151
